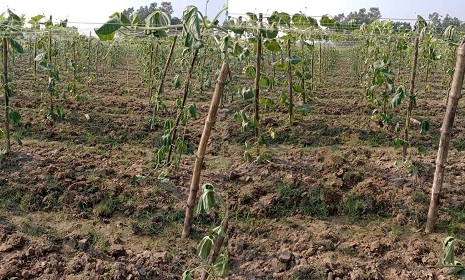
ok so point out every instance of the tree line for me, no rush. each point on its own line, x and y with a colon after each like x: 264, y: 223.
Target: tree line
x: 144, y: 11
x: 357, y: 18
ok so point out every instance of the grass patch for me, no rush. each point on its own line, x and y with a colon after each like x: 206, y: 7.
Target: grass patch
x: 107, y: 207
x: 456, y: 225
x: 28, y: 228
x: 299, y: 199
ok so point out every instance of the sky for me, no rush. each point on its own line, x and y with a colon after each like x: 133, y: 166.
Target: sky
x: 390, y: 9
x: 81, y: 13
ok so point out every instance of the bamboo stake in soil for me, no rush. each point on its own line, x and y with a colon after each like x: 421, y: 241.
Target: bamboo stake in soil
x: 75, y: 92
x: 50, y: 62
x: 446, y: 131
x: 302, y: 80
x: 35, y: 61
x: 289, y: 77
x: 184, y: 98
x: 410, y: 103
x: 7, y: 98
x: 313, y: 65
x: 160, y: 86
x: 320, y: 62
x: 151, y: 72
x: 211, y: 117
x: 257, y: 86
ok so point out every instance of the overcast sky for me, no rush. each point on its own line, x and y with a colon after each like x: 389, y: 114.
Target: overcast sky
x: 393, y: 9
x: 81, y: 13
x: 95, y: 11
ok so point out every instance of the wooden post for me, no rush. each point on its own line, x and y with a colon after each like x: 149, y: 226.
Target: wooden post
x: 446, y: 131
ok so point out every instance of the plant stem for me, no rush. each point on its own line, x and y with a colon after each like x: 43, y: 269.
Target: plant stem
x: 218, y: 245
x: 410, y: 104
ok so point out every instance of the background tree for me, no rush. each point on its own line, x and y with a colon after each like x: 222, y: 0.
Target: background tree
x: 397, y: 25
x: 360, y: 17
x: 439, y: 25
x: 144, y: 11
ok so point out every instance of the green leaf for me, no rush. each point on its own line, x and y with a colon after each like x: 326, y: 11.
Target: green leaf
x: 461, y: 272
x: 448, y: 250
x: 304, y: 108
x: 17, y: 139
x: 398, y: 97
x: 267, y: 102
x: 264, y: 81
x: 191, y: 27
x: 398, y: 143
x: 281, y: 66
x: 270, y: 33
x: 15, y: 45
x: 9, y: 92
x: 422, y: 150
x: 261, y: 140
x: 387, y: 74
x: 2, y: 134
x: 378, y: 64
x: 237, y: 49
x: 207, y: 200
x: 39, y: 57
x: 252, y: 16
x: 192, y: 109
x: 247, y: 156
x: 425, y: 125
x: 187, y: 275
x: 219, y: 231
x: 272, y: 45
x: 205, y: 246
x: 300, y: 20
x: 177, y: 81
x: 14, y: 117
x: 294, y: 60
x: 43, y: 65
x: 157, y: 19
x: 420, y: 24
x: 136, y: 20
x: 207, y: 83
x: 297, y: 88
x: 283, y: 97
x: 283, y: 18
x: 107, y: 30
x: 220, y: 267
x: 13, y: 17
x: 34, y: 21
x: 250, y: 71
x: 272, y: 133
x: 168, y: 125
x: 247, y: 93
x: 246, y: 125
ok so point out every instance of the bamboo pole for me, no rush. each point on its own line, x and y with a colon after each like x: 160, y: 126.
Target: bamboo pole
x: 210, y: 120
x: 446, y: 131
x: 257, y: 85
x: 7, y: 97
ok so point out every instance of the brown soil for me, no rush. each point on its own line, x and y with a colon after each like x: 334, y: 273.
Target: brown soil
x: 81, y: 199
